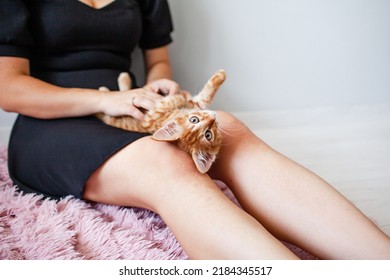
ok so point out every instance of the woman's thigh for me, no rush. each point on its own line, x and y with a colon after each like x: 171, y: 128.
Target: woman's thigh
x: 139, y: 174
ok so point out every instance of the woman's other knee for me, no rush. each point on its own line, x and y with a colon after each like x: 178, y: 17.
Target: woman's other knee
x: 232, y: 126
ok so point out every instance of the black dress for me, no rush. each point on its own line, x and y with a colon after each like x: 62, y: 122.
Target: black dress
x: 71, y: 44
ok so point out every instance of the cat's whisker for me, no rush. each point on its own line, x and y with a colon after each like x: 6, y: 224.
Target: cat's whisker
x: 227, y: 130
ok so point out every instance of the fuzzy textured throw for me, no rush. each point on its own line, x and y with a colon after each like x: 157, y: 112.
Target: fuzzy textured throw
x: 41, y: 229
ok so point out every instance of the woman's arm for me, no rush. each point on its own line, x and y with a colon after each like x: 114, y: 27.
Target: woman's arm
x: 26, y: 95
x: 159, y: 71
x: 158, y: 65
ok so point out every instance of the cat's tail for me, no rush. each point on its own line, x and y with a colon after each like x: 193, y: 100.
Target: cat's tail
x: 204, y: 98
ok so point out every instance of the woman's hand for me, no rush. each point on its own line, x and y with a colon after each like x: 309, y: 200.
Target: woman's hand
x: 136, y: 101
x: 128, y: 103
x: 164, y: 87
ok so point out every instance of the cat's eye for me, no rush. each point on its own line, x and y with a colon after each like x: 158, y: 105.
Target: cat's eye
x: 194, y: 119
x: 208, y: 135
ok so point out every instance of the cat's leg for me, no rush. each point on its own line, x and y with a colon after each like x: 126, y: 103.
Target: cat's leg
x: 291, y: 202
x: 124, y: 81
x: 205, y: 97
x: 160, y: 177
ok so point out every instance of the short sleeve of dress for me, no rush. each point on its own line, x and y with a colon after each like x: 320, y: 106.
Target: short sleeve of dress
x: 15, y: 38
x: 156, y: 24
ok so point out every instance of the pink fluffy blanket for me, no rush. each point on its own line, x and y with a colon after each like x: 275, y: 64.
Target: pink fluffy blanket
x: 35, y: 228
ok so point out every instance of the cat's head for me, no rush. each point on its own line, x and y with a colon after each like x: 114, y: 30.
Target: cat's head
x: 196, y: 132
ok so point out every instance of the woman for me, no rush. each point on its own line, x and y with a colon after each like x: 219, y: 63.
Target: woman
x: 55, y: 54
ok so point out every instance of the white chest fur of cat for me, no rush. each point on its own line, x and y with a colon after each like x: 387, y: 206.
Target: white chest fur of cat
x: 179, y: 119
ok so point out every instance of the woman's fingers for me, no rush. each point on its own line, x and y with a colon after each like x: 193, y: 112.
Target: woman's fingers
x: 141, y: 100
x: 164, y: 87
x: 135, y: 113
x: 144, y: 98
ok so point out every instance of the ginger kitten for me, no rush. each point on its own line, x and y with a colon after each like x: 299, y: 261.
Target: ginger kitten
x: 179, y: 119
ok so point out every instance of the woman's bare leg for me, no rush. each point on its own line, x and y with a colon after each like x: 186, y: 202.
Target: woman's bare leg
x: 160, y: 177
x: 291, y: 202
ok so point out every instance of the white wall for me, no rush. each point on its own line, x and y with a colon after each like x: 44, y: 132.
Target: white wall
x: 285, y: 54
x: 6, y: 120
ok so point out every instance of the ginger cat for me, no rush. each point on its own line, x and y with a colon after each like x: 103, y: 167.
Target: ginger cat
x: 179, y: 119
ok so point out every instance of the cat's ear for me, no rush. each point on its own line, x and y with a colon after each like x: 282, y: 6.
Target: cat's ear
x: 171, y: 131
x: 203, y: 160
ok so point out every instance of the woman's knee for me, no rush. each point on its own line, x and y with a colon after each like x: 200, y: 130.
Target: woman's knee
x: 227, y: 119
x: 233, y: 130
x: 238, y: 141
